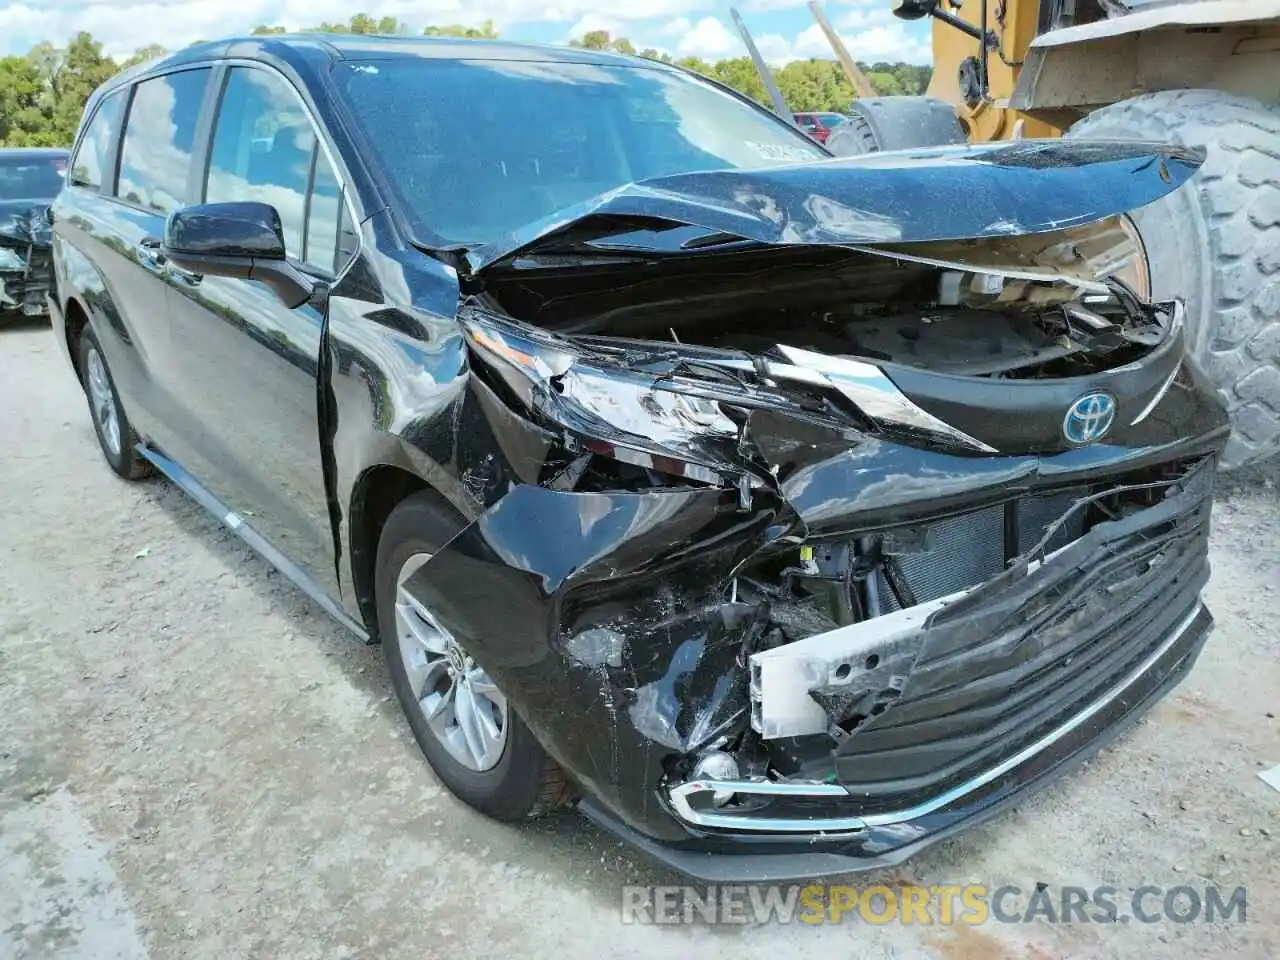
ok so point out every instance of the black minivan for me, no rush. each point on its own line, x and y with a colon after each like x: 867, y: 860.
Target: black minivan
x: 786, y: 512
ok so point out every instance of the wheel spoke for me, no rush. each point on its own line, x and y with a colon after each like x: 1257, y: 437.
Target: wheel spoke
x: 486, y: 688
x: 424, y: 675
x: 465, y: 711
x: 422, y: 630
x: 469, y: 724
x: 438, y: 706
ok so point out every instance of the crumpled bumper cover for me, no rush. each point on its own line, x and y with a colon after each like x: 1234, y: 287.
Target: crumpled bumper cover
x: 725, y: 857
x: 601, y: 616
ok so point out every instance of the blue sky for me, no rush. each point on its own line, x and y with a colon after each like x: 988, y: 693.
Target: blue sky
x: 784, y: 29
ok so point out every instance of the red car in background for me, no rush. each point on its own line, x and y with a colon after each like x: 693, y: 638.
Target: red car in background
x: 819, y: 125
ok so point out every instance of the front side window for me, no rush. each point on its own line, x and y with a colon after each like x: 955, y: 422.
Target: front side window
x: 478, y: 148
x: 265, y: 149
x: 159, y: 135
x: 91, y: 159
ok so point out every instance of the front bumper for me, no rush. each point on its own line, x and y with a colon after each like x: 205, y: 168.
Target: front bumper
x: 26, y: 291
x: 615, y: 647
x: 886, y: 840
x: 1005, y: 687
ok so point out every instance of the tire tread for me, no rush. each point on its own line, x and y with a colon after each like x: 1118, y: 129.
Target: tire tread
x: 1239, y: 198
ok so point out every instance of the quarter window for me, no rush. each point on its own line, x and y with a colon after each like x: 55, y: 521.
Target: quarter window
x: 264, y: 149
x: 91, y: 160
x: 155, y: 159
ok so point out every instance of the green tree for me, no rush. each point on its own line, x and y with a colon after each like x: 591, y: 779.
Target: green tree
x: 739, y: 73
x: 151, y: 51
x: 885, y: 83
x: 24, y: 118
x: 486, y: 31
x: 76, y: 72
x: 43, y: 94
x: 593, y: 40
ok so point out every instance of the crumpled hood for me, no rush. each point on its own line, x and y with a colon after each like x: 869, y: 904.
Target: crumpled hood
x: 24, y: 222
x: 944, y: 193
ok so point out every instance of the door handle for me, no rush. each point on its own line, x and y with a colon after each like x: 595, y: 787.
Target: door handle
x: 147, y: 250
x: 183, y: 276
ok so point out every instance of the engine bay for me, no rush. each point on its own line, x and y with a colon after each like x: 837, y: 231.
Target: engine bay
x: 1018, y: 308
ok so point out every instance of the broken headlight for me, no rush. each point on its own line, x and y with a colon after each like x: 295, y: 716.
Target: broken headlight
x: 615, y: 405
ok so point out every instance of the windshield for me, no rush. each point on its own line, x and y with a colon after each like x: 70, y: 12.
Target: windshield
x: 478, y: 148
x: 31, y: 178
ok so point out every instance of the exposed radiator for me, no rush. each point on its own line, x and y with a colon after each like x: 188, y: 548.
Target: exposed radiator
x: 966, y: 550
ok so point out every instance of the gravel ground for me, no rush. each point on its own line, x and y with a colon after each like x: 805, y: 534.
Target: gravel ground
x: 195, y: 762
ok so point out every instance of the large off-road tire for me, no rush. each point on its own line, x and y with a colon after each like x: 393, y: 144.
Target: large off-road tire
x: 895, y: 123
x: 477, y: 744
x: 1216, y: 244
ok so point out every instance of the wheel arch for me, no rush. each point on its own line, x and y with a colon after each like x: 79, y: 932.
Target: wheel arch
x: 375, y: 494
x: 75, y: 319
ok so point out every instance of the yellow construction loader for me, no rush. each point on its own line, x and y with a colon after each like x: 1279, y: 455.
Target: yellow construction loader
x: 1202, y: 73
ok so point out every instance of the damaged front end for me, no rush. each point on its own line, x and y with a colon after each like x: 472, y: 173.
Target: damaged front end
x: 836, y: 546
x: 26, y: 264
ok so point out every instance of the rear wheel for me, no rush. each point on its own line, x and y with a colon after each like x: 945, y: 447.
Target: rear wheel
x: 1216, y: 245
x: 475, y: 742
x: 115, y: 435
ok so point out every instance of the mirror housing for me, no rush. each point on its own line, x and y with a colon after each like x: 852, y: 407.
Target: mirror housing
x: 242, y: 239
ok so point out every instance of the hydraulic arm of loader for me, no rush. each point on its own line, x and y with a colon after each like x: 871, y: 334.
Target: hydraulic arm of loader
x: 857, y: 79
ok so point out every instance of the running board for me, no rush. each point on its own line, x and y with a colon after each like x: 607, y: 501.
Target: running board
x: 259, y: 544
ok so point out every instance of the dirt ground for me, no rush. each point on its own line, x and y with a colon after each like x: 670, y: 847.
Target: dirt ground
x: 196, y: 762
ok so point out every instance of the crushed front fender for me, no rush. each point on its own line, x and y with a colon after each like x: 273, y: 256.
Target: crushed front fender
x: 605, y: 620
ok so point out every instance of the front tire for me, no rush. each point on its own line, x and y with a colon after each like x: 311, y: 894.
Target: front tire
x: 116, y: 437
x: 1215, y: 243
x: 475, y: 742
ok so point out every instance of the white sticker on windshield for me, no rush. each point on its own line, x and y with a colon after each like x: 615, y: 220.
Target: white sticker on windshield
x: 779, y: 151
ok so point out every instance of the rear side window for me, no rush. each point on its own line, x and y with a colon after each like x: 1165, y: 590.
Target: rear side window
x: 265, y: 149
x: 159, y: 135
x: 91, y: 159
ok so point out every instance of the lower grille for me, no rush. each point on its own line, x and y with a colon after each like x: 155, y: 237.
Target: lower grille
x: 1016, y: 658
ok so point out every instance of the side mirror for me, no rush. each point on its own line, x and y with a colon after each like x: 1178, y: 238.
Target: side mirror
x: 240, y: 239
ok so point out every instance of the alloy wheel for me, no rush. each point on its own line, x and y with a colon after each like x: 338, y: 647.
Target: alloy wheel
x: 463, y: 708
x: 102, y: 402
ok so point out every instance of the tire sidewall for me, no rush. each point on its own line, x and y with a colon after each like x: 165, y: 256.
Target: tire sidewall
x: 1175, y: 237
x: 123, y: 462
x: 511, y: 788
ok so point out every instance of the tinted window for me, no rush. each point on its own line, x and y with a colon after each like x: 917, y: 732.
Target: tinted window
x: 831, y: 120
x: 264, y: 148
x: 158, y: 139
x: 91, y: 161
x: 31, y: 177
x: 478, y: 148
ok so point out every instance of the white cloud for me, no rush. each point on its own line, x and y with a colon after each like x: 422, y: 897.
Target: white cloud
x: 775, y: 49
x: 683, y: 26
x: 122, y: 26
x: 676, y: 28
x: 710, y: 39
x: 869, y: 35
